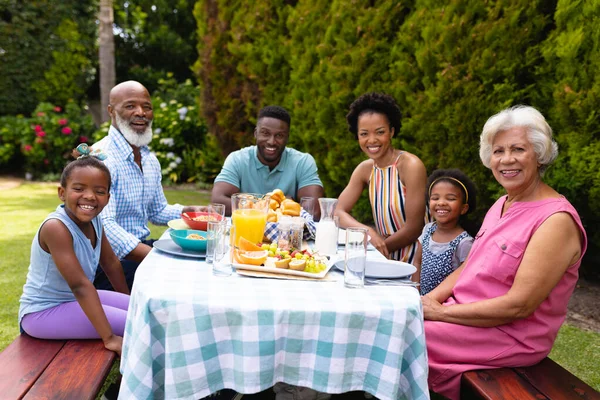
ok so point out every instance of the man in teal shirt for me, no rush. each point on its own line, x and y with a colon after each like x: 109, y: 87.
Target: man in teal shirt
x: 269, y: 165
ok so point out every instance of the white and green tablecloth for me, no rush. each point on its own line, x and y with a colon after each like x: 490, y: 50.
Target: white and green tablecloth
x: 190, y: 333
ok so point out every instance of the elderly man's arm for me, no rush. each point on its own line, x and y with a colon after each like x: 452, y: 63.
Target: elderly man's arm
x: 543, y: 265
x: 121, y: 241
x: 159, y: 210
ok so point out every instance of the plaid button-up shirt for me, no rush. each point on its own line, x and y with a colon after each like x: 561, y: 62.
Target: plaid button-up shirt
x: 136, y: 197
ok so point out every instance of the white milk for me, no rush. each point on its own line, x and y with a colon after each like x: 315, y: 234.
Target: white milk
x: 327, y: 237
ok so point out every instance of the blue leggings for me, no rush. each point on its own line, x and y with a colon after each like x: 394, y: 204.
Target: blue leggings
x: 68, y: 321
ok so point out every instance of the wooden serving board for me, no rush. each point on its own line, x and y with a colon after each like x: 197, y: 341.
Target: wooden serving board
x: 265, y: 274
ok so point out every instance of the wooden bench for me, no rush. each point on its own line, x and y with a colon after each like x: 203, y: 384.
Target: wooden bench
x: 53, y: 369
x: 546, y: 380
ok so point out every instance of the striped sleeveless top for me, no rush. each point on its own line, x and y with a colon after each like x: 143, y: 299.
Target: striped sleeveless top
x: 388, y: 195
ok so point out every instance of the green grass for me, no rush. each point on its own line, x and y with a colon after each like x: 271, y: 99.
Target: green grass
x: 22, y: 210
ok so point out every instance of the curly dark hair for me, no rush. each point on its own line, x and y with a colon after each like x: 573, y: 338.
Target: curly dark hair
x: 276, y: 112
x: 452, y: 176
x: 374, y: 102
x: 82, y: 163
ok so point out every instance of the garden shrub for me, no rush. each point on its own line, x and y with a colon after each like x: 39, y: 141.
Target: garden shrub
x: 45, y: 39
x: 50, y: 135
x: 11, y: 129
x: 450, y: 66
x: 571, y: 81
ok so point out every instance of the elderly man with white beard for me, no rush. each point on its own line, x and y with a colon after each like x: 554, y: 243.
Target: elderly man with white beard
x: 136, y: 194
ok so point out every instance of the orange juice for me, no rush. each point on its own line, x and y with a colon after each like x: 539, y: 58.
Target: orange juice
x: 250, y: 224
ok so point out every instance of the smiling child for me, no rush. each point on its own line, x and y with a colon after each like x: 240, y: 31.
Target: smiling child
x: 59, y: 300
x: 444, y: 244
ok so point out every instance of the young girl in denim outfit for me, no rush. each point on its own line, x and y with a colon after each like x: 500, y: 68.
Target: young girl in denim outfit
x: 444, y: 244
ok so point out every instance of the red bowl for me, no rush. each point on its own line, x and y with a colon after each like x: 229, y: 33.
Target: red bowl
x: 199, y: 219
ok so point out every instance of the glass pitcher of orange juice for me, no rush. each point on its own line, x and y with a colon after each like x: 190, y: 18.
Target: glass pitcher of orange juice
x: 249, y: 216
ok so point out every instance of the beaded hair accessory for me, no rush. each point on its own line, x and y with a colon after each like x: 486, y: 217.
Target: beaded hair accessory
x: 86, y: 151
x: 452, y: 179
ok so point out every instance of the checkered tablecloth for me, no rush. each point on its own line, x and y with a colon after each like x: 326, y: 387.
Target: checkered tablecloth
x: 190, y: 333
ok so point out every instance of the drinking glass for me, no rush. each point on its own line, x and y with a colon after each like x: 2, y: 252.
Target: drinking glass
x: 216, y: 208
x: 356, y: 257
x: 213, y: 230
x: 249, y: 216
x: 221, y: 263
x: 308, y: 204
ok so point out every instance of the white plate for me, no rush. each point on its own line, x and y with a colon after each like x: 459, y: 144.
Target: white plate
x: 177, y: 224
x: 282, y: 271
x: 380, y: 268
x: 170, y: 247
x: 342, y: 238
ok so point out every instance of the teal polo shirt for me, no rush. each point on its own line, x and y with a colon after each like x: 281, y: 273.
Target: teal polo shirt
x: 244, y: 170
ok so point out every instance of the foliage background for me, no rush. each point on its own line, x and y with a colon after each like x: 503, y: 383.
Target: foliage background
x: 449, y: 65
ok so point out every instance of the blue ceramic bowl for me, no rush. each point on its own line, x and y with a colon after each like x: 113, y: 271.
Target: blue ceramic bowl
x: 179, y: 236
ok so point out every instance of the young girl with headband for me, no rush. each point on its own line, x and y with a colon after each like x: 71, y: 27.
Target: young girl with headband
x: 444, y: 244
x: 59, y: 300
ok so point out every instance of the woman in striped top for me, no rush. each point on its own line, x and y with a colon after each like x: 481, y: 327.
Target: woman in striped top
x: 396, y: 179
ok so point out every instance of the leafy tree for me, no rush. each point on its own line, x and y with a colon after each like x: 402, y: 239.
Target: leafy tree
x: 37, y: 38
x: 570, y: 78
x: 154, y: 37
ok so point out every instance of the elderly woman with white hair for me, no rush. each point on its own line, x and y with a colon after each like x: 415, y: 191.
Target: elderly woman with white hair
x: 504, y: 305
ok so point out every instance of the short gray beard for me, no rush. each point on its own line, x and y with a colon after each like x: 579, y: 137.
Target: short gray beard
x: 134, y: 138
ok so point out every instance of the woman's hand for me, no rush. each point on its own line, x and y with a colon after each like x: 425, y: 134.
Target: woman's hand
x: 114, y: 343
x: 432, y: 309
x: 378, y: 242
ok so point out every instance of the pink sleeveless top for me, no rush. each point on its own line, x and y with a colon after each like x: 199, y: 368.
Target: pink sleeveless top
x: 494, y: 260
x: 490, y: 272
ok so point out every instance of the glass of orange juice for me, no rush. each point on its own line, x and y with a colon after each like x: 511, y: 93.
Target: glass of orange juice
x: 249, y: 216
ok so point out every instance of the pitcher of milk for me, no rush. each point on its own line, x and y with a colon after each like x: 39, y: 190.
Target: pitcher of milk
x: 327, y: 231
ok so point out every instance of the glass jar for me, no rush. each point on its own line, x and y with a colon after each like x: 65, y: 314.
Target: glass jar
x: 297, y: 232
x: 284, y: 230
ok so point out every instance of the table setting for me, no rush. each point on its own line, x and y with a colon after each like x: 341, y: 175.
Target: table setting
x: 194, y: 328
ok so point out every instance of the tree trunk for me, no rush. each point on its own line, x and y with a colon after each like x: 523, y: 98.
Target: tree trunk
x: 106, y: 55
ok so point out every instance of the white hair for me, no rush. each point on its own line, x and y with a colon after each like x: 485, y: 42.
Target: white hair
x: 539, y: 134
x: 134, y: 138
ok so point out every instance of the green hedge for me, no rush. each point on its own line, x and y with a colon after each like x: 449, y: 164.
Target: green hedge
x: 449, y: 66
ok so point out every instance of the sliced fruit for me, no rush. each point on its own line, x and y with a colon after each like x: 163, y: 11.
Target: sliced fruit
x: 246, y: 245
x: 253, y: 257
x: 297, y: 265
x: 270, y: 262
x: 236, y: 256
x: 283, y: 263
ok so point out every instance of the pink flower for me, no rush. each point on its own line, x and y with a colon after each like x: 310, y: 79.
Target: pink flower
x: 66, y: 130
x: 57, y: 109
x: 27, y: 147
x: 46, y: 161
x: 39, y: 140
x: 40, y: 134
x: 38, y: 128
x: 62, y: 121
x: 83, y: 139
x: 41, y: 114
